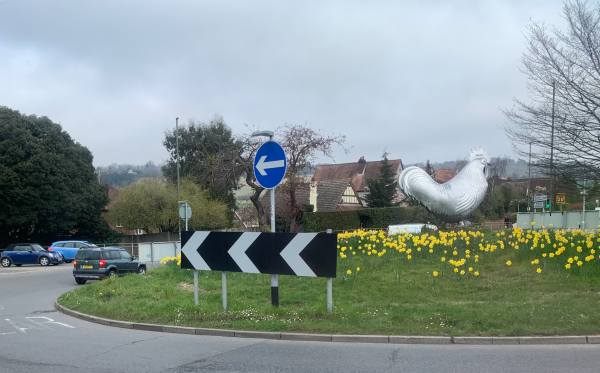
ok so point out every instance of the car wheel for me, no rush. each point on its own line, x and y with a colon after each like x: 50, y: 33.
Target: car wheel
x: 141, y: 270
x: 44, y: 261
x: 80, y: 281
x: 112, y: 273
x: 5, y: 262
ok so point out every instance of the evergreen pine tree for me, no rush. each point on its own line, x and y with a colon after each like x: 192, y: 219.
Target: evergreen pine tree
x: 429, y: 169
x: 382, y: 190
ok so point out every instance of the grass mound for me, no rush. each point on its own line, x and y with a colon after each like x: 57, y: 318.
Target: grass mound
x: 395, y: 293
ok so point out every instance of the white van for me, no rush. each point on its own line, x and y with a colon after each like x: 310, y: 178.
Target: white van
x: 415, y: 228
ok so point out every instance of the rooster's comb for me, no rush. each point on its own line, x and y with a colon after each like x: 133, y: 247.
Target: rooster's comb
x: 478, y: 153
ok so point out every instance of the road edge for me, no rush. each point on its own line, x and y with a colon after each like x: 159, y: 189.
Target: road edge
x: 390, y: 339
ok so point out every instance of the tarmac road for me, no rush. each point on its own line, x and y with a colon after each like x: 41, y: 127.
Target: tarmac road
x: 36, y: 338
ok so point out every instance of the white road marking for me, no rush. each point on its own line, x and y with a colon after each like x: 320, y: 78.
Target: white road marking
x: 34, y: 323
x: 14, y: 325
x: 32, y: 270
x: 35, y: 320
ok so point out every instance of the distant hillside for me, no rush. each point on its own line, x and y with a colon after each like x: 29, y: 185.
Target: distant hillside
x: 500, y: 166
x: 120, y: 175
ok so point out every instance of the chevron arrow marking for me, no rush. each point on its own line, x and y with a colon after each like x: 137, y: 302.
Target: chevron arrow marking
x: 190, y: 249
x: 291, y: 254
x: 238, y: 252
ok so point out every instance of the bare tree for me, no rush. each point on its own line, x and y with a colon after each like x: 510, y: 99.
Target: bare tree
x: 498, y: 167
x: 569, y: 62
x: 249, y: 146
x: 302, y: 145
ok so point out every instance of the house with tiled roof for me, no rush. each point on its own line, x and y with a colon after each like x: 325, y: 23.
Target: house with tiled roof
x: 325, y: 196
x: 358, y: 174
x: 442, y: 175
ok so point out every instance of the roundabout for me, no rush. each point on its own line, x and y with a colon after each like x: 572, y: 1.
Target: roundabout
x: 92, y: 347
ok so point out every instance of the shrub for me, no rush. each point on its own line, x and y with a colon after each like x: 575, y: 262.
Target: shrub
x: 366, y: 218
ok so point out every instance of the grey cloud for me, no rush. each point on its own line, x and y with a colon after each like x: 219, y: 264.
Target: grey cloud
x: 420, y: 79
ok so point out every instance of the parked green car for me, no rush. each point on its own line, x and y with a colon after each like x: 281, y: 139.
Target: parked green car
x: 96, y: 263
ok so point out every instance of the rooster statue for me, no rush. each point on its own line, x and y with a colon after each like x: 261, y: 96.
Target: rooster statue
x: 455, y: 199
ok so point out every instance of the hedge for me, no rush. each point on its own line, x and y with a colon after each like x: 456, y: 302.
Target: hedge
x: 365, y: 218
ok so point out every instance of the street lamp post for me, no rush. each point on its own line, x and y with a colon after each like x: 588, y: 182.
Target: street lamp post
x: 274, y: 278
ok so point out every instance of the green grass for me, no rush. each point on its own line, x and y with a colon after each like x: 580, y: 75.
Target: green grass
x: 388, y: 296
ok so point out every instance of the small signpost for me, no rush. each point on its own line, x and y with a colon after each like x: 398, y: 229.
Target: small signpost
x: 561, y: 198
x: 185, y: 212
x: 539, y: 201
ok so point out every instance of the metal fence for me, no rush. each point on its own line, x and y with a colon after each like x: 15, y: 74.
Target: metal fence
x: 565, y: 219
x: 149, y: 252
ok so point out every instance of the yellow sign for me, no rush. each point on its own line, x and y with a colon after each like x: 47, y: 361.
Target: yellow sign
x: 561, y: 199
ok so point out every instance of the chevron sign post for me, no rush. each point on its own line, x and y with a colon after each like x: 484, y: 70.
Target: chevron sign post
x: 295, y: 254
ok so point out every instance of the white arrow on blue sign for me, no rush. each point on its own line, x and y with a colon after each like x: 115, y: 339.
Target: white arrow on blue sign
x: 270, y: 165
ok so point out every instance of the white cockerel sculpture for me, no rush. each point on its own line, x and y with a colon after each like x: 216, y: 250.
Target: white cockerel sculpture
x: 455, y: 199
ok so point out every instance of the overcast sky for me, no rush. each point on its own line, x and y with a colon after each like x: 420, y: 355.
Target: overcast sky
x: 418, y: 79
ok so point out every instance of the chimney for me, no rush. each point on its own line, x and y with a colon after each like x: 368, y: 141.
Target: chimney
x: 312, y: 196
x: 362, y: 161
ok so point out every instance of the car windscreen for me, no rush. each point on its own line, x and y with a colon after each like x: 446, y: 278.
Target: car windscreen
x: 88, y: 255
x: 37, y: 247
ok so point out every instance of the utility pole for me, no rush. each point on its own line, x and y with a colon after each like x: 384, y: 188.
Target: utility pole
x: 529, y: 184
x: 552, y: 149
x: 177, y: 166
x: 584, y: 194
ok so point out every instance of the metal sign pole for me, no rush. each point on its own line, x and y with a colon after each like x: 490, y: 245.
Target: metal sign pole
x: 224, y: 289
x: 196, y: 287
x: 186, y: 215
x: 329, y: 295
x: 274, y: 278
x: 329, y: 287
x: 177, y: 166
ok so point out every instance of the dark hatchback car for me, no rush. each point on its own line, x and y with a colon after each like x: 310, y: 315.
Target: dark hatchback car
x: 28, y: 253
x: 96, y: 263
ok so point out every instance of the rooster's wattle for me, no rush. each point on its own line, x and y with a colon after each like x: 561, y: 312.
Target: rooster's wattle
x: 456, y: 198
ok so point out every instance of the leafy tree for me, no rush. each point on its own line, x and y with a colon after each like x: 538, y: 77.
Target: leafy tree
x: 208, y: 156
x: 151, y: 204
x: 382, y: 191
x: 48, y: 188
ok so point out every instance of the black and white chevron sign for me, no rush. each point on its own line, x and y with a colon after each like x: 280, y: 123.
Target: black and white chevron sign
x: 299, y: 254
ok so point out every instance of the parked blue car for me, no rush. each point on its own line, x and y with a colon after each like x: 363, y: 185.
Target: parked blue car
x: 28, y: 253
x: 69, y: 249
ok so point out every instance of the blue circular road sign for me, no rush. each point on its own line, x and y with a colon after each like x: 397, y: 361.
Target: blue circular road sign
x: 270, y: 164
